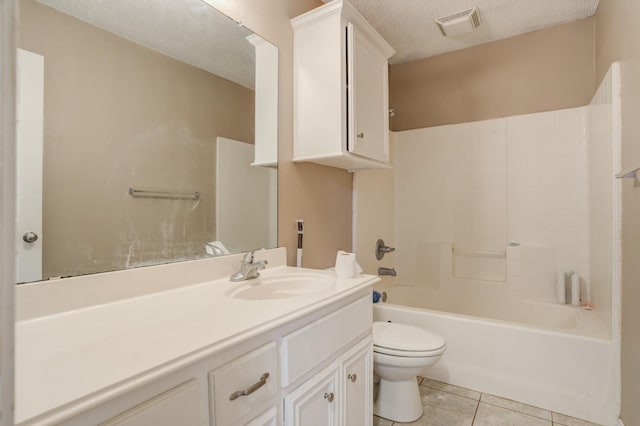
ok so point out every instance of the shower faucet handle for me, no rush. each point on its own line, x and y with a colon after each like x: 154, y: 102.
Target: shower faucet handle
x: 387, y: 272
x: 382, y: 249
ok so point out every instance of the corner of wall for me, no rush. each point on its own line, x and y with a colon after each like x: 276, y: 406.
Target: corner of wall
x: 318, y: 194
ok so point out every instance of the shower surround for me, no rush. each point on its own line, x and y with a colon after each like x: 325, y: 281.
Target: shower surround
x: 485, y: 215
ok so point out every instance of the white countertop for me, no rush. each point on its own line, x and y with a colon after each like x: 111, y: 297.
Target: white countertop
x: 63, y: 357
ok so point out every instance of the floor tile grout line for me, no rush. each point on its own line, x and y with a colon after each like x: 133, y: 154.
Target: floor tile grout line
x: 476, y: 412
x: 422, y: 383
x: 479, y: 400
x: 451, y: 393
x: 521, y: 412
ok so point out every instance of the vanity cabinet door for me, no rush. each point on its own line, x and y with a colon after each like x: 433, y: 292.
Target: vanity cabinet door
x: 357, y: 391
x: 316, y: 402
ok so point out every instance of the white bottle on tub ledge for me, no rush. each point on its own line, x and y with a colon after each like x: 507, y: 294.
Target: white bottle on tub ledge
x: 575, y: 289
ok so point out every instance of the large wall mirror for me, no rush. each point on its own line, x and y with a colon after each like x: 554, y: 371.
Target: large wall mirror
x: 147, y: 134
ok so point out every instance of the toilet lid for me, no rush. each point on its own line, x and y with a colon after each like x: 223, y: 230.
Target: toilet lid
x: 404, y: 337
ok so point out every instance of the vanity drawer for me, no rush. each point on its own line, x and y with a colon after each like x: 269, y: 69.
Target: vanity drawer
x: 246, y: 373
x: 179, y: 405
x: 307, y: 347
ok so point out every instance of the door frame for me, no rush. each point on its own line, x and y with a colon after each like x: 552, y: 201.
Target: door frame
x: 29, y: 166
x: 8, y: 18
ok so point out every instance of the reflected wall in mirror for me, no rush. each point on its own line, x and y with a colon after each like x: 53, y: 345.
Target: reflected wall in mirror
x: 124, y: 95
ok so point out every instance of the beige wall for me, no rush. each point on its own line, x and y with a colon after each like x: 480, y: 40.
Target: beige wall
x: 120, y: 115
x: 539, y: 71
x: 320, y: 195
x: 618, y: 38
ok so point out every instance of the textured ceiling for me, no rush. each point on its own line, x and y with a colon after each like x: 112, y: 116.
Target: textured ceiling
x: 408, y: 25
x: 196, y: 33
x: 188, y: 30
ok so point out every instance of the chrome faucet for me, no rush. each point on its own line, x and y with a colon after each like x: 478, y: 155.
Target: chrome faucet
x: 248, y: 268
x: 390, y: 272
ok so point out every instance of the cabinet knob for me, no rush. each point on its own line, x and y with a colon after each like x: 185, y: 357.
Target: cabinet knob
x: 360, y: 135
x: 329, y: 396
x: 353, y: 377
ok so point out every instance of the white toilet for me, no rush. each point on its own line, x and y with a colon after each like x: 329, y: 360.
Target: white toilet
x: 400, y: 353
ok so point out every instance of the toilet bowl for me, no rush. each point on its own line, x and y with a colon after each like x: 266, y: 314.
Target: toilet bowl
x: 400, y: 353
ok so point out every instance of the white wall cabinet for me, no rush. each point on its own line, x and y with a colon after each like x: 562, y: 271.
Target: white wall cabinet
x: 341, y: 103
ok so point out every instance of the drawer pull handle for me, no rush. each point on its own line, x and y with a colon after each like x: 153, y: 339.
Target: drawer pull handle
x: 329, y: 396
x: 360, y: 135
x: 353, y: 377
x: 251, y: 389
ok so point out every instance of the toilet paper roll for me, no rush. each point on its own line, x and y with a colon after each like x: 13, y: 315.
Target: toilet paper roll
x: 346, y: 265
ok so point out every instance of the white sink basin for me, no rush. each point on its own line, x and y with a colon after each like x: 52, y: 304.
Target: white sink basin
x: 282, y: 286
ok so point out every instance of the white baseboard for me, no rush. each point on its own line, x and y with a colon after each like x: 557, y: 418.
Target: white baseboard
x: 620, y: 422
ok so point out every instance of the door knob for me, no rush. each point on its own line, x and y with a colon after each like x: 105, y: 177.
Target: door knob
x: 29, y: 237
x: 353, y: 377
x: 329, y: 396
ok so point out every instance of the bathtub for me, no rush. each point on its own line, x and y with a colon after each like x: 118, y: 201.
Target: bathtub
x: 551, y: 356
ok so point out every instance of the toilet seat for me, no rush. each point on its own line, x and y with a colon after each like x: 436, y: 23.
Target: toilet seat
x: 406, y: 340
x: 401, y: 352
x: 408, y: 354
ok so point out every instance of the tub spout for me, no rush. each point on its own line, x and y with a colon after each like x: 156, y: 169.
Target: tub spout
x: 390, y: 272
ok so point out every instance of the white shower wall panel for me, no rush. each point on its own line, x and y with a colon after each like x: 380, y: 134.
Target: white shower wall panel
x: 481, y: 185
x: 548, y: 198
x: 604, y: 207
x: 450, y: 185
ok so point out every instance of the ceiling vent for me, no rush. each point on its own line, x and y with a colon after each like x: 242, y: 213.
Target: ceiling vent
x: 459, y: 23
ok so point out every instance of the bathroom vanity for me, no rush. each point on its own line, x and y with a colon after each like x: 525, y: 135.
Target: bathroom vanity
x: 290, y: 347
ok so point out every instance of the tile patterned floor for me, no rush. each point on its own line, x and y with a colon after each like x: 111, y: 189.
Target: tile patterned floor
x: 448, y: 405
